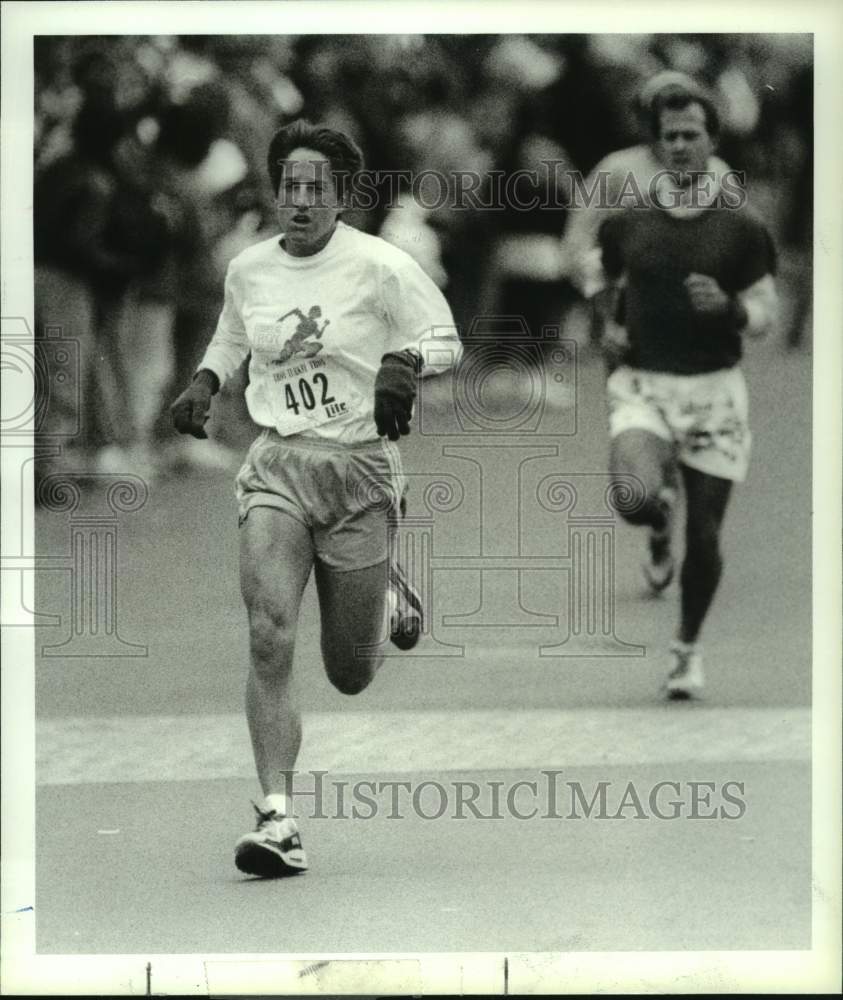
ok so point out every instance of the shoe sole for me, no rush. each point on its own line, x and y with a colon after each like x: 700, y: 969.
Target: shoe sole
x: 257, y: 859
x: 683, y: 694
x: 410, y: 626
x: 408, y: 635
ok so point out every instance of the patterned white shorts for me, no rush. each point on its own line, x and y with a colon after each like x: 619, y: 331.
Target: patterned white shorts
x: 706, y: 416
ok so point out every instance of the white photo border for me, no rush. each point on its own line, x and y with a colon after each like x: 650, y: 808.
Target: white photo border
x: 640, y: 972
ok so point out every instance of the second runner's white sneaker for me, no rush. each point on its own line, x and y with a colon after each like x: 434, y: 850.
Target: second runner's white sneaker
x: 686, y: 680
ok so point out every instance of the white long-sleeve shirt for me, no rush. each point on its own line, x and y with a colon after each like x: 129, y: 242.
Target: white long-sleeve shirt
x: 318, y: 326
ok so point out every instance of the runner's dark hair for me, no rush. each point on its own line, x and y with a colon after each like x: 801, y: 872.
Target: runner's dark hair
x: 677, y: 99
x: 345, y: 156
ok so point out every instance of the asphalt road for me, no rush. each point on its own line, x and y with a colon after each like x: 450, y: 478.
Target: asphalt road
x: 145, y: 758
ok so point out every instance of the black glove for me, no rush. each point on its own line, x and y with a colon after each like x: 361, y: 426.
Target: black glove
x: 192, y: 409
x: 395, y: 392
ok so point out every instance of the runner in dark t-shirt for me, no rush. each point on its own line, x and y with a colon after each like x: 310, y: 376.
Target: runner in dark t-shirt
x: 693, y: 273
x: 657, y: 252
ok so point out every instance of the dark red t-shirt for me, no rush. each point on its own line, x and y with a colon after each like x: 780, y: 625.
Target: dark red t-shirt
x: 657, y: 251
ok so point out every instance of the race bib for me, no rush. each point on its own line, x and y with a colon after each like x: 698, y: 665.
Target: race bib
x: 307, y: 393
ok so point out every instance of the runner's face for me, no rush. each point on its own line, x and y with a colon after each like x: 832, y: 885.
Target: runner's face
x: 684, y: 145
x: 306, y: 204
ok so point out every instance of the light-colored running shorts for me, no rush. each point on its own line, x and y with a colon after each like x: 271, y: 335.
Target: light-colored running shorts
x: 705, y: 416
x: 347, y: 496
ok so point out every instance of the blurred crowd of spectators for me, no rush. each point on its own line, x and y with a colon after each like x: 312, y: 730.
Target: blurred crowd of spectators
x: 150, y: 175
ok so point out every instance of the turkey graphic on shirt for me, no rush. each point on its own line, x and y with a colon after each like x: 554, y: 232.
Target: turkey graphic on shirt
x: 300, y: 342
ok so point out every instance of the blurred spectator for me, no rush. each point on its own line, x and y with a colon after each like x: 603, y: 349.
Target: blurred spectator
x: 798, y: 221
x: 203, y: 177
x: 441, y: 144
x: 527, y: 268
x: 94, y: 232
x: 407, y: 226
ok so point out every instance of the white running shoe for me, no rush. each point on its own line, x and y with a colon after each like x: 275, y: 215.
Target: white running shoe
x: 273, y: 849
x: 686, y: 680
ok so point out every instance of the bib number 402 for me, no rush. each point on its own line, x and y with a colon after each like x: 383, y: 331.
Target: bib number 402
x: 306, y: 398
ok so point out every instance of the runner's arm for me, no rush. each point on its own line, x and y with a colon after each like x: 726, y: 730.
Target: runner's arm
x: 421, y: 319
x: 229, y: 345
x: 756, y: 298
x: 760, y: 302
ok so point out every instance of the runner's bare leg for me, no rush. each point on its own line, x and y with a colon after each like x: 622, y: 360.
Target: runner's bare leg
x: 276, y: 557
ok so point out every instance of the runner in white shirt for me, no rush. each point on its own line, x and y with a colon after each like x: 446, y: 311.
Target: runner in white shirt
x: 339, y: 325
